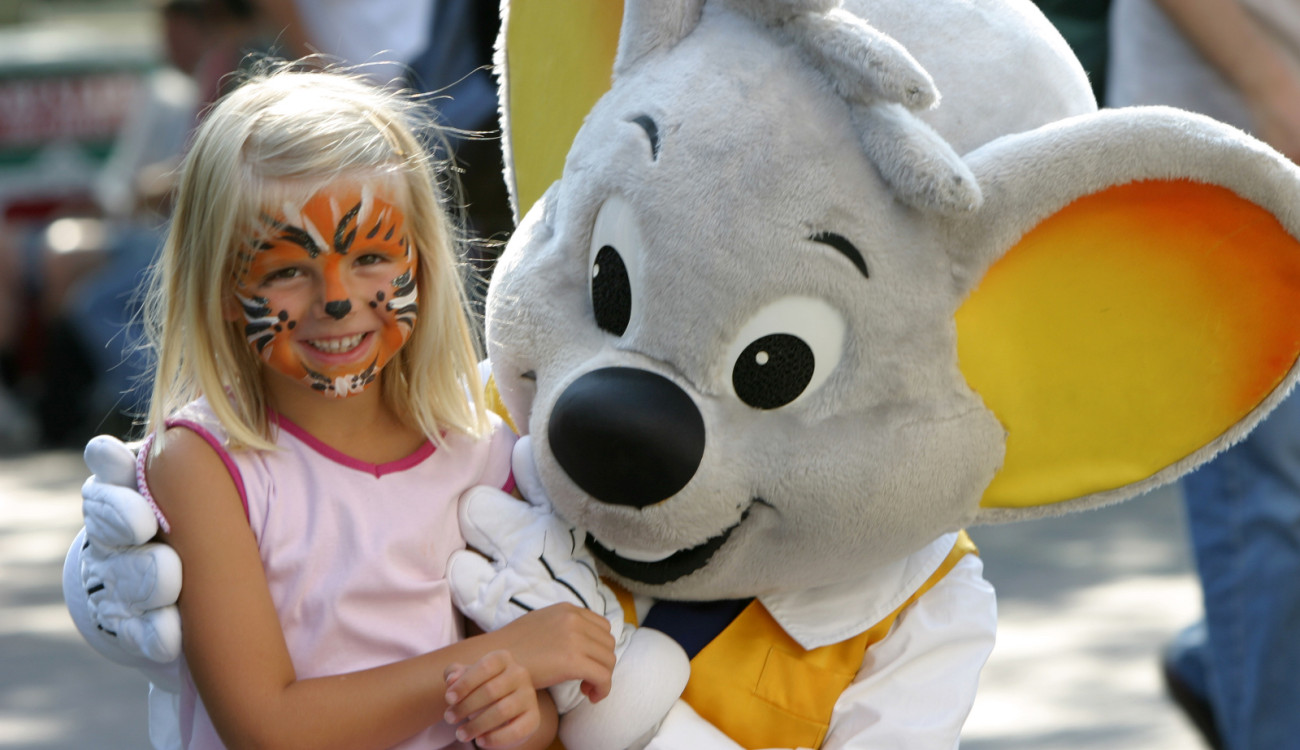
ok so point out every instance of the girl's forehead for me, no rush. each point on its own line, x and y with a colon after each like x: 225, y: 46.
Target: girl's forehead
x: 332, y: 201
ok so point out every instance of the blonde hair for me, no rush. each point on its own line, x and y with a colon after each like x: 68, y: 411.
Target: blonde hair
x: 285, y: 134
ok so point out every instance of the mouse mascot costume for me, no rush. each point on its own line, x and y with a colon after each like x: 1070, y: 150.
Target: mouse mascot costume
x: 818, y: 285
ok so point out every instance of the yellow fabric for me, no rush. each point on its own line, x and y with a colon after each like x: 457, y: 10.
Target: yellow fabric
x: 763, y: 689
x: 559, y: 57
x: 1127, y: 331
x: 492, y: 400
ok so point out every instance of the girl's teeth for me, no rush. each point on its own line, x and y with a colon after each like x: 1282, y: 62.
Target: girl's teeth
x: 336, y: 346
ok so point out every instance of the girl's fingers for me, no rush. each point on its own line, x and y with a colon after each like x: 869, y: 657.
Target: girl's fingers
x: 598, y: 672
x: 513, y: 715
x: 595, y: 691
x: 513, y: 733
x: 471, y: 689
x: 450, y: 676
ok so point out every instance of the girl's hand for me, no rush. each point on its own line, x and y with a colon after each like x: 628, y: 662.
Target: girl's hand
x: 496, y: 701
x: 560, y: 643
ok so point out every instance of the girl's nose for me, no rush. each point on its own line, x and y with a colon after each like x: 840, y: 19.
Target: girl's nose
x: 338, y: 309
x: 334, y: 291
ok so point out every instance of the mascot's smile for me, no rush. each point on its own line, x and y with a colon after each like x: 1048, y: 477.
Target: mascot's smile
x: 676, y: 565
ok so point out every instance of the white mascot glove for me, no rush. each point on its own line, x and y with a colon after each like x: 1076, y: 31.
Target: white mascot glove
x: 530, y: 559
x: 120, y: 590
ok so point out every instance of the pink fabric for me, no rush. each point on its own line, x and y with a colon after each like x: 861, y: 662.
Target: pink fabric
x: 402, y: 464
x: 218, y: 445
x: 142, y: 458
x: 355, y: 554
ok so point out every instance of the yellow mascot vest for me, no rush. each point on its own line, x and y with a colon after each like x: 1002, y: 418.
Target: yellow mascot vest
x: 761, y: 688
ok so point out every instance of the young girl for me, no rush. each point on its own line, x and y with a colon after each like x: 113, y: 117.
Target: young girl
x: 311, y: 434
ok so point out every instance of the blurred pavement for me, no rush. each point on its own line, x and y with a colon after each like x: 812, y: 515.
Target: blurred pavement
x: 1086, y: 601
x: 55, y: 692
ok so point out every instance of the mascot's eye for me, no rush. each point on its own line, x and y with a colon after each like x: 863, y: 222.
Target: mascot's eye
x: 786, y: 351
x: 611, y: 294
x: 773, y: 371
x: 616, y: 248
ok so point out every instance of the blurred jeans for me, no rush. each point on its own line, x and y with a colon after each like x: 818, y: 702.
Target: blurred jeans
x: 1244, y: 515
x: 103, y: 311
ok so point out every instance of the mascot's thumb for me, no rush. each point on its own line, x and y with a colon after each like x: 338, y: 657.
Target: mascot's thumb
x: 115, y: 513
x: 524, y: 466
x: 494, y: 522
x: 111, y: 460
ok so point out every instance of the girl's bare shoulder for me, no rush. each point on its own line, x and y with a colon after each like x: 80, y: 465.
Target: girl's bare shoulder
x: 187, y: 469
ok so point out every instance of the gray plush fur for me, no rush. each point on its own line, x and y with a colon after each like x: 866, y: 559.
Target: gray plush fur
x: 650, y: 25
x: 863, y: 64
x: 767, y: 139
x: 780, y: 11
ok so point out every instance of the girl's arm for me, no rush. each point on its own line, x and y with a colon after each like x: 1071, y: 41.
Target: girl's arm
x: 236, y: 651
x: 1233, y: 42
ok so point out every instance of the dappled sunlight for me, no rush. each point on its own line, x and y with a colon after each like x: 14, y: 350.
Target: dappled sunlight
x: 55, y: 692
x: 17, y: 730
x: 1085, y: 605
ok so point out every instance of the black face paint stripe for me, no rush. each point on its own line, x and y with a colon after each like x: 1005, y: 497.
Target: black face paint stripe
x: 342, y: 237
x: 301, y: 238
x: 843, y: 245
x: 256, y: 307
x: 651, y: 129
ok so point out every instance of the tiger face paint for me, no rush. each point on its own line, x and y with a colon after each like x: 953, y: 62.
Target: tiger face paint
x: 328, y: 290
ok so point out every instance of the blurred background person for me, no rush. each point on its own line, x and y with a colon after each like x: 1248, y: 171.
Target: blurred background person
x: 442, y: 48
x: 1235, y: 673
x: 80, y: 273
x: 18, y: 428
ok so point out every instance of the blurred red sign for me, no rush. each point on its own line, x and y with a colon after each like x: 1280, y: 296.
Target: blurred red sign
x: 84, y: 107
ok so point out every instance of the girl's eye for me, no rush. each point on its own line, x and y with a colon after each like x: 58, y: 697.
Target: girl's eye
x: 284, y: 274
x: 370, y: 259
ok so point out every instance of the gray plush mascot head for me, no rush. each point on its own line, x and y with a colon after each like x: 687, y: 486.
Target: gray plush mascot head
x: 789, y: 314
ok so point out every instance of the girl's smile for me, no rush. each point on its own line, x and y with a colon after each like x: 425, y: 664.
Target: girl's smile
x: 338, y: 346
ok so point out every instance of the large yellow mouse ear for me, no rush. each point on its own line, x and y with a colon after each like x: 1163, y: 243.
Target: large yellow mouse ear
x: 557, y: 59
x: 1138, y: 329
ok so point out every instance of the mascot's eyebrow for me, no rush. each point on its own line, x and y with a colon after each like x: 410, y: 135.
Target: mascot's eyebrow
x: 842, y: 244
x: 651, y: 129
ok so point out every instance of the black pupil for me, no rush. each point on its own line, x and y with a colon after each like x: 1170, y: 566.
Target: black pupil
x: 773, y: 371
x: 611, y: 293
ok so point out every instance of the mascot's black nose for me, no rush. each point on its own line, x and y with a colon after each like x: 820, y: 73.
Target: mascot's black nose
x: 627, y: 436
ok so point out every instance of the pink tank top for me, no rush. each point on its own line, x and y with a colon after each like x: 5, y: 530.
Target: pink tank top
x: 355, y: 553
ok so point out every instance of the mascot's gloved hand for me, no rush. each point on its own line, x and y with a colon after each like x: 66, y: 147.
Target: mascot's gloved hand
x: 531, y: 559
x: 120, y: 590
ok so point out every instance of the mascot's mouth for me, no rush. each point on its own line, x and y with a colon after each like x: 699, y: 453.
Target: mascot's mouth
x: 677, y: 565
